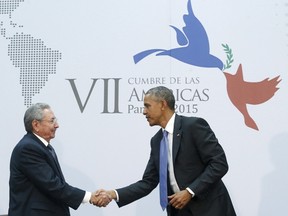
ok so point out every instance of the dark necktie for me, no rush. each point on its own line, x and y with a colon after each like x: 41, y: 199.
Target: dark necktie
x: 53, y: 153
x: 163, y: 170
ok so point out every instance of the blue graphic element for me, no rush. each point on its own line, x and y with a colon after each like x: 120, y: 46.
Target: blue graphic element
x: 194, y: 45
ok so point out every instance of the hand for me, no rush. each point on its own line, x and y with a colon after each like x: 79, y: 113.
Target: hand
x: 100, y: 198
x: 180, y: 199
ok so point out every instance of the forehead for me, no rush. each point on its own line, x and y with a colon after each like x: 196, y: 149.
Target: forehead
x: 48, y: 113
x: 148, y: 99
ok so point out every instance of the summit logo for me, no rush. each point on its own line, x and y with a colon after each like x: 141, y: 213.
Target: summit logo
x: 194, y: 49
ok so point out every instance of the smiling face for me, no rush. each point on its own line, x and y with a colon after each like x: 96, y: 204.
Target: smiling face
x: 153, y: 110
x: 47, y: 126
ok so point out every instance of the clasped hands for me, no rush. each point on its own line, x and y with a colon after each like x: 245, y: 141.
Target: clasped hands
x: 102, y: 198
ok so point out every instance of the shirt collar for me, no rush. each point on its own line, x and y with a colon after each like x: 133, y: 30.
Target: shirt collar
x: 170, y: 125
x: 43, y: 140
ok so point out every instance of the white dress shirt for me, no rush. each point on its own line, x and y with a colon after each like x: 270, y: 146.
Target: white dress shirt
x: 88, y: 194
x: 170, y: 129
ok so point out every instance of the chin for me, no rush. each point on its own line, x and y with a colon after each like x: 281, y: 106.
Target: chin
x: 152, y: 124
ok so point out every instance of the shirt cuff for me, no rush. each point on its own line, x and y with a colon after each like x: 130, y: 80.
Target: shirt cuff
x: 87, y: 197
x: 190, y: 191
x: 117, y: 196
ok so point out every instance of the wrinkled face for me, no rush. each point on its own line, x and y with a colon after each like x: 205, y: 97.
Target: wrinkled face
x: 46, y: 127
x: 153, y: 110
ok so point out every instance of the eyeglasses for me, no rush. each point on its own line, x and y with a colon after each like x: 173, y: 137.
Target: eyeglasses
x: 52, y: 121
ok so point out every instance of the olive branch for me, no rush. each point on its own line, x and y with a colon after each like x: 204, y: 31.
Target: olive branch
x: 229, y: 55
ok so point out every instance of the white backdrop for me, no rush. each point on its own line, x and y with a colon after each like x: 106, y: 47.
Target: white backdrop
x: 103, y: 139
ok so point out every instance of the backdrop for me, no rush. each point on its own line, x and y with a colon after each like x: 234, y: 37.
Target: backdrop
x: 225, y: 61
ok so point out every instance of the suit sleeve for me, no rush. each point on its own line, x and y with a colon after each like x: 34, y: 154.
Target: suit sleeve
x: 212, y: 156
x: 142, y: 187
x: 34, y: 163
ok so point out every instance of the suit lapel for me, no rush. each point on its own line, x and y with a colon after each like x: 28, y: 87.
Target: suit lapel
x: 54, y: 163
x: 177, y: 134
x: 57, y: 165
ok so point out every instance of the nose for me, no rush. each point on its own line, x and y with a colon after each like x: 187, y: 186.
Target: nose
x: 144, y: 111
x: 56, y: 125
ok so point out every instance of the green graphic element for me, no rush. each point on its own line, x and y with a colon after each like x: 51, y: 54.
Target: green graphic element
x: 229, y: 55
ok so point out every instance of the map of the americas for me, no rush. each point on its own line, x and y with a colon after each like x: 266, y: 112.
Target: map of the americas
x: 35, y: 61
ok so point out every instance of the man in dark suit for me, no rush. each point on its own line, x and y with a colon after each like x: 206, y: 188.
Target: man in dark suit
x: 196, y: 163
x: 37, y: 185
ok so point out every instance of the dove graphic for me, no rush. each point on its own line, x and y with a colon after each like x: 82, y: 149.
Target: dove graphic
x: 194, y: 45
x: 194, y: 49
x: 242, y: 93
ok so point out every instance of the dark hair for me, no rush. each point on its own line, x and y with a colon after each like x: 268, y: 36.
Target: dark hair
x: 34, y: 112
x: 163, y: 93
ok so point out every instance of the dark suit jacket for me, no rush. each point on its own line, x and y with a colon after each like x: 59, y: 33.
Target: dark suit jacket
x: 37, y: 186
x: 199, y: 163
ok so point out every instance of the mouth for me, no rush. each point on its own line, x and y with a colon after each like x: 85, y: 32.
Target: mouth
x: 149, y: 120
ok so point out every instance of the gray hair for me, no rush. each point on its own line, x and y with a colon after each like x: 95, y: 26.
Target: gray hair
x: 163, y: 93
x: 34, y: 112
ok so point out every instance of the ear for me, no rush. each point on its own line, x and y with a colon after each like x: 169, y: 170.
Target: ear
x: 35, y: 125
x: 164, y: 104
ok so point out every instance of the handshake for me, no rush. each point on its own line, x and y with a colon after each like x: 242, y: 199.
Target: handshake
x: 102, y: 198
